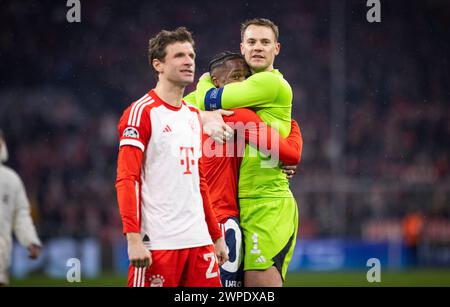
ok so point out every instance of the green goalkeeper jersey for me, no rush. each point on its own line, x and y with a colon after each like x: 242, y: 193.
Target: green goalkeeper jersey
x: 270, y: 96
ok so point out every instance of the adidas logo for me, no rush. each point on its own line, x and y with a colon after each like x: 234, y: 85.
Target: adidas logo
x: 261, y: 259
x: 167, y: 129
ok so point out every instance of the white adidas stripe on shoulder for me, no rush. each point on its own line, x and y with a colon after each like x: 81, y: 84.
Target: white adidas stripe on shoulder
x: 138, y: 108
x: 136, y: 104
x: 141, y: 109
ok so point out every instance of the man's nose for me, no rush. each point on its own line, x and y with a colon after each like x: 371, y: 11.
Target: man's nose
x: 257, y: 46
x: 189, y: 61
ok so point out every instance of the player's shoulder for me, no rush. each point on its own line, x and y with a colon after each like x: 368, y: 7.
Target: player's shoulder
x: 132, y: 115
x: 266, y: 79
x: 9, y: 175
x: 191, y: 107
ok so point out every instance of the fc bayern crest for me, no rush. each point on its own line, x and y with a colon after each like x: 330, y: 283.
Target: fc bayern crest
x: 157, y: 281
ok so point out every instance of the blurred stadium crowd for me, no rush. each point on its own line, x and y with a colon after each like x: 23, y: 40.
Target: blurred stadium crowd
x: 64, y: 86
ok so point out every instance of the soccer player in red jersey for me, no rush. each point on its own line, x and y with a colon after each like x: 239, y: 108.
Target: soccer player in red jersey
x: 222, y: 161
x: 161, y: 190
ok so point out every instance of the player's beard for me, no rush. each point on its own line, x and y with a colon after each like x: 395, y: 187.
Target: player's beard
x: 3, y: 152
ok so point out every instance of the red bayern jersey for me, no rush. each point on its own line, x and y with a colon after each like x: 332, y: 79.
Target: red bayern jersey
x: 222, y: 162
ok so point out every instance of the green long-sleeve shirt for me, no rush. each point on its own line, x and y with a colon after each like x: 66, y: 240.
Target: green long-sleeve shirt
x: 270, y: 96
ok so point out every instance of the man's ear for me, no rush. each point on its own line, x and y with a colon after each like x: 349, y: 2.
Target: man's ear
x: 215, y: 81
x: 277, y: 48
x: 158, y: 65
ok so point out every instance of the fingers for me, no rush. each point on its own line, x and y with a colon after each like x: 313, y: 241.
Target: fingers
x: 289, y: 173
x: 225, y: 112
x: 218, y: 138
x: 225, y: 258
x: 289, y: 170
x: 220, y: 261
x: 228, y: 130
x: 222, y: 258
x: 33, y: 251
x: 221, y: 133
x: 141, y: 263
x: 289, y: 167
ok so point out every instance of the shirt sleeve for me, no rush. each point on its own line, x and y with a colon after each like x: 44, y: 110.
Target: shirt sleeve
x: 249, y: 126
x: 210, y: 217
x: 259, y: 90
x: 128, y: 187
x: 295, y: 143
x: 134, y: 127
x: 23, y: 224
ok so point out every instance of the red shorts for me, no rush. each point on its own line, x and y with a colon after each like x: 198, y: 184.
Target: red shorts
x: 189, y: 267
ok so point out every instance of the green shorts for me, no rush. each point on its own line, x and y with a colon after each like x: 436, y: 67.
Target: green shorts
x: 269, y: 227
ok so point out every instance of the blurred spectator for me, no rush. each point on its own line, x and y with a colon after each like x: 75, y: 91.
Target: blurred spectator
x: 412, y: 230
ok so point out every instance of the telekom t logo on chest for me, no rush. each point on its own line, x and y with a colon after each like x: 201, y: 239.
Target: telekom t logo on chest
x: 187, y: 161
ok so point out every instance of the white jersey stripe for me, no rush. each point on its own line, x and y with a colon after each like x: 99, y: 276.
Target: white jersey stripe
x: 136, y: 185
x: 135, y: 277
x: 143, y: 278
x: 136, y: 110
x: 132, y: 142
x: 139, y: 277
x: 141, y: 109
x: 134, y: 106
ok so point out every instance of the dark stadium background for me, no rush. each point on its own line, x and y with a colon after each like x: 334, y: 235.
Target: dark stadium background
x: 372, y: 100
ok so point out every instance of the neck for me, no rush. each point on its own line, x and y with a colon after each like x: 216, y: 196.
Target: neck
x: 169, y: 92
x: 269, y: 68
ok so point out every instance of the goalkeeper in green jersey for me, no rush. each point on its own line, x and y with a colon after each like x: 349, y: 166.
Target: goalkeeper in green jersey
x: 268, y: 211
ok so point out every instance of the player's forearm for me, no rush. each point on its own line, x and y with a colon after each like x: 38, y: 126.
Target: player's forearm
x: 295, y: 140
x: 258, y: 90
x: 260, y: 135
x: 23, y: 223
x: 210, y: 217
x: 24, y: 229
x: 291, y: 148
x: 127, y: 192
x: 269, y: 141
x: 128, y: 187
x: 133, y: 237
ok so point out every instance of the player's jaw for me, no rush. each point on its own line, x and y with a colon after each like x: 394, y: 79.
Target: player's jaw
x: 186, y: 75
x: 258, y: 61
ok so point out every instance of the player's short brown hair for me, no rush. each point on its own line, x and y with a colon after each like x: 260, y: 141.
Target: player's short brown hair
x: 157, y: 44
x: 260, y: 22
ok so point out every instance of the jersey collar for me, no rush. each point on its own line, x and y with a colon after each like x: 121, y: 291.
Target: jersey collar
x: 160, y: 101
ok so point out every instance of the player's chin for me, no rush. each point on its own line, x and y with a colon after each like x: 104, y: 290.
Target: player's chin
x: 187, y: 80
x: 258, y: 65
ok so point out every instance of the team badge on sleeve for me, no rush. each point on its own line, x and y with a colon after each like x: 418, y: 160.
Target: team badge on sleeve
x: 131, y: 132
